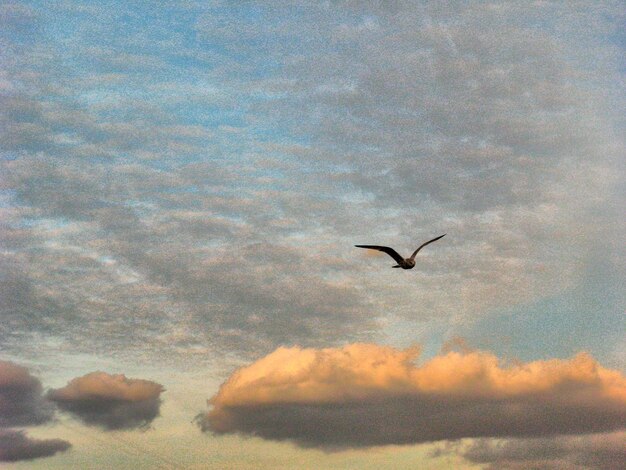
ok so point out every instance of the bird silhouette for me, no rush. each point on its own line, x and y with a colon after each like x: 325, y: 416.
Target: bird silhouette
x: 404, y: 263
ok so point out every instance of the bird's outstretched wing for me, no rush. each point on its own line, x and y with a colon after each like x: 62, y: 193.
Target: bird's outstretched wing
x: 424, y: 244
x: 390, y: 251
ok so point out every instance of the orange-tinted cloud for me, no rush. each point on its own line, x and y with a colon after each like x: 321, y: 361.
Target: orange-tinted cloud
x: 364, y: 394
x: 110, y: 401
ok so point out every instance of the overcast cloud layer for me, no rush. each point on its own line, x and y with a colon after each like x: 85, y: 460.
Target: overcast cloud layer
x: 200, y: 180
x: 366, y: 395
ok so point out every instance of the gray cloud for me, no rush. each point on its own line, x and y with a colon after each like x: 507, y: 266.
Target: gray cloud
x: 138, y: 252
x: 16, y: 446
x: 587, y: 452
x: 110, y: 401
x: 212, y: 212
x: 366, y: 395
x: 21, y: 399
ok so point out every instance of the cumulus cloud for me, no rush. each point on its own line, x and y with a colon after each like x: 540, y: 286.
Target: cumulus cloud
x: 21, y: 399
x: 16, y: 445
x: 365, y: 395
x: 588, y: 452
x: 110, y: 401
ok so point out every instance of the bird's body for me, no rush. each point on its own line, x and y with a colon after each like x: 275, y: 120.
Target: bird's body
x: 404, y: 263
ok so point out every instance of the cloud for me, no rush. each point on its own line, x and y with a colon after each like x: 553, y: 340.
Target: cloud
x: 21, y: 399
x: 133, y: 199
x: 23, y: 404
x: 365, y: 395
x: 16, y: 445
x: 589, y: 452
x: 110, y: 401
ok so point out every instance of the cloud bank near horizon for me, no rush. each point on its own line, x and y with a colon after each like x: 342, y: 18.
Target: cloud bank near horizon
x: 603, y: 451
x: 367, y: 395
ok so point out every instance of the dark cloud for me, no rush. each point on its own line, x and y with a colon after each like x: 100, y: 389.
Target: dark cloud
x: 587, y: 452
x: 110, y: 401
x: 21, y: 399
x: 16, y: 446
x: 367, y: 395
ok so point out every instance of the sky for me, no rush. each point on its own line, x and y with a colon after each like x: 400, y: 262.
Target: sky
x: 182, y: 184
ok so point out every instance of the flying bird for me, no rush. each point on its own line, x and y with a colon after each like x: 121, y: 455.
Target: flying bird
x: 404, y: 263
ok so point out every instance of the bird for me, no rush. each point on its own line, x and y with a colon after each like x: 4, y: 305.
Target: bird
x: 404, y: 263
